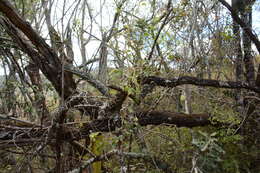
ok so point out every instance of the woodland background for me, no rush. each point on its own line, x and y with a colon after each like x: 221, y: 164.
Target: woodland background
x: 129, y: 86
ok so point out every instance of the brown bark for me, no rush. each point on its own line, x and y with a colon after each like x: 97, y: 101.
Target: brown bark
x: 102, y: 70
x: 45, y: 58
x: 41, y: 108
x: 250, y: 127
x: 248, y: 58
x: 100, y: 125
x: 171, y: 118
x: 238, y: 59
x: 173, y: 82
x: 258, y: 77
x: 238, y: 52
x: 107, y: 124
x: 243, y: 25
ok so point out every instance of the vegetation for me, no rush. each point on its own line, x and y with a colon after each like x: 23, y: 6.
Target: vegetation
x: 129, y: 86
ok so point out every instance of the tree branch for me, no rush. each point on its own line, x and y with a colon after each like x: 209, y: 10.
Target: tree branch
x: 49, y: 63
x: 173, y: 82
x: 144, y: 118
x: 169, y: 11
x: 179, y: 119
x: 107, y: 124
x: 90, y: 79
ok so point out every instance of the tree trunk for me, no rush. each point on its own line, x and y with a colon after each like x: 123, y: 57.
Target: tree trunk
x: 238, y: 62
x: 102, y: 70
x: 187, y: 101
x: 248, y: 58
x: 251, y: 126
x: 40, y: 105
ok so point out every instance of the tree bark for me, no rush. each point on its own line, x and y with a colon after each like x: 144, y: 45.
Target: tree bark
x: 41, y: 109
x: 102, y: 69
x: 248, y: 58
x: 107, y: 124
x: 173, y: 82
x: 247, y: 30
x: 45, y: 58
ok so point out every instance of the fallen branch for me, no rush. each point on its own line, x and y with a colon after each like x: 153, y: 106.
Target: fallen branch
x: 171, y: 118
x: 144, y: 118
x: 253, y: 37
x: 107, y: 124
x: 173, y: 82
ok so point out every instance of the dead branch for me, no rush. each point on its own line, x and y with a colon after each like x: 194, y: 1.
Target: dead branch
x: 173, y: 82
x: 107, y: 124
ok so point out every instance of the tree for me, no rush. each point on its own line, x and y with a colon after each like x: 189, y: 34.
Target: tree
x: 156, y: 54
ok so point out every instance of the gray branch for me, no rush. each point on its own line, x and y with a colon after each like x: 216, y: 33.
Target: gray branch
x: 89, y: 78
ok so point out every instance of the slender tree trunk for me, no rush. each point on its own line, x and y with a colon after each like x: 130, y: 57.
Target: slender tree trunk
x: 187, y: 101
x: 253, y: 123
x: 9, y: 105
x: 238, y: 63
x: 40, y: 105
x: 102, y: 71
x: 251, y: 127
x: 238, y: 53
x: 248, y: 58
x: 178, y: 99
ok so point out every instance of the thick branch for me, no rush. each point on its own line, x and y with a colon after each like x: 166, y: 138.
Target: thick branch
x: 7, y: 9
x: 145, y: 118
x: 173, y: 82
x: 47, y: 60
x: 178, y: 119
x: 107, y: 124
